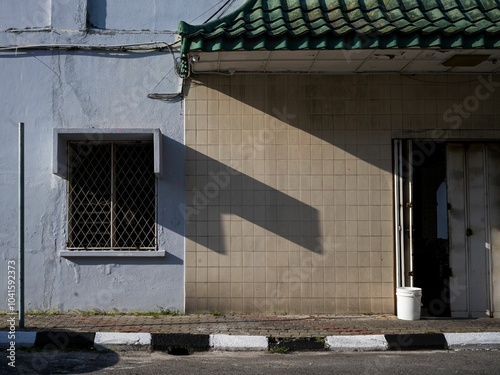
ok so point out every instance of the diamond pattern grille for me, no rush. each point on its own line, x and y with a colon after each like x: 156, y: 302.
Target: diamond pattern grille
x: 111, y: 196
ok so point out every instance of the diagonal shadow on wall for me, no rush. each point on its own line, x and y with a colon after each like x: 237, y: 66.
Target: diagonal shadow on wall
x: 217, y: 191
x: 350, y: 113
x: 340, y: 117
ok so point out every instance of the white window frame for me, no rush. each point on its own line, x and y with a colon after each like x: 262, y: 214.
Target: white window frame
x: 60, y: 168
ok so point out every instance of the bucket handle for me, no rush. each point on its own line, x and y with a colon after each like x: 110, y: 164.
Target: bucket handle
x: 418, y: 299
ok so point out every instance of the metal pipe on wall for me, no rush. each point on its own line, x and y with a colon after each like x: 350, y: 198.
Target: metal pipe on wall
x: 20, y: 275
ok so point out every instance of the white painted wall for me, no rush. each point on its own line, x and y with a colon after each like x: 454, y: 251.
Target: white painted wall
x: 24, y: 14
x: 82, y: 89
x: 150, y: 14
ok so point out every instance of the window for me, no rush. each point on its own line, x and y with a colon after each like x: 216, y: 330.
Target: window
x: 111, y: 196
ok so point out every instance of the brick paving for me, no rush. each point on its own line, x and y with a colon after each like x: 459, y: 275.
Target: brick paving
x: 268, y: 325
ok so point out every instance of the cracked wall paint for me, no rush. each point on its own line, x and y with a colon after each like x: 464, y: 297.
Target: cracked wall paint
x: 75, y: 89
x: 76, y: 271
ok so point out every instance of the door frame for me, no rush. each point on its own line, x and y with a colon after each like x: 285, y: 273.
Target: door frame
x: 403, y: 165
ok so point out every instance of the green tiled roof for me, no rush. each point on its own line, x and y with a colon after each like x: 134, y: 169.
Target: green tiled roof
x: 349, y: 24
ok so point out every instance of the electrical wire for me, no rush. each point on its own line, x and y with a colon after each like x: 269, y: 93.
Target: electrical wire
x: 176, y: 64
x: 226, y: 10
x: 201, y: 15
x: 137, y: 47
x: 220, y: 9
x: 122, y: 48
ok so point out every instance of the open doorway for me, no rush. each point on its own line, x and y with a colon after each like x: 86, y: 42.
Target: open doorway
x: 447, y: 207
x: 431, y: 269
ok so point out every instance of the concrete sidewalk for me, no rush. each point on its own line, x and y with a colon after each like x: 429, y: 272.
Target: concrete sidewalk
x: 257, y: 332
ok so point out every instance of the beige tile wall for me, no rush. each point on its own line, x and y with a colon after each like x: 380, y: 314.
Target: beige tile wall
x: 289, y: 187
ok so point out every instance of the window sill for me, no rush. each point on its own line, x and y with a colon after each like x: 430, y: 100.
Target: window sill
x: 112, y: 254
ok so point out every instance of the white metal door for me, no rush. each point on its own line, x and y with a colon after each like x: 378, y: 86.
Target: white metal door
x: 493, y: 167
x: 467, y: 181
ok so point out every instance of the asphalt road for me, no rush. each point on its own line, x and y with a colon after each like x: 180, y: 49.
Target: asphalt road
x: 222, y: 363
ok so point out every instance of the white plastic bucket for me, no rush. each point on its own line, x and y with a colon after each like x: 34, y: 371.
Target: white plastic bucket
x: 409, y: 303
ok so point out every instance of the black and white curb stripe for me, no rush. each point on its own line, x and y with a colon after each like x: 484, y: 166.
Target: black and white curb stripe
x: 188, y: 343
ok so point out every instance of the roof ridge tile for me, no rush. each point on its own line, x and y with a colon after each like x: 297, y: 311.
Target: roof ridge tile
x: 330, y: 24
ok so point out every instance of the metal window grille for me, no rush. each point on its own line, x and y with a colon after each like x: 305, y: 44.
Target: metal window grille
x: 112, y: 196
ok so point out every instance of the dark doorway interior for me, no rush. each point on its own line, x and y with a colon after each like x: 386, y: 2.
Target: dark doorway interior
x: 430, y: 232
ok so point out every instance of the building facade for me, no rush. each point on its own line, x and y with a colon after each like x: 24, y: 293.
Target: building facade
x: 95, y: 84
x: 282, y: 157
x: 339, y: 150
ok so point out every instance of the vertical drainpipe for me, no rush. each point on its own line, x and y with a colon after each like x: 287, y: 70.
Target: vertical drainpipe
x: 21, y: 227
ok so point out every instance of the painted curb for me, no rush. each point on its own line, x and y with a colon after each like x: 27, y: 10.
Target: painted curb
x: 473, y: 340
x: 238, y: 343
x: 22, y: 339
x: 180, y: 342
x: 109, y: 340
x: 419, y: 341
x: 357, y: 343
x: 52, y: 340
x: 187, y: 343
x: 297, y: 343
